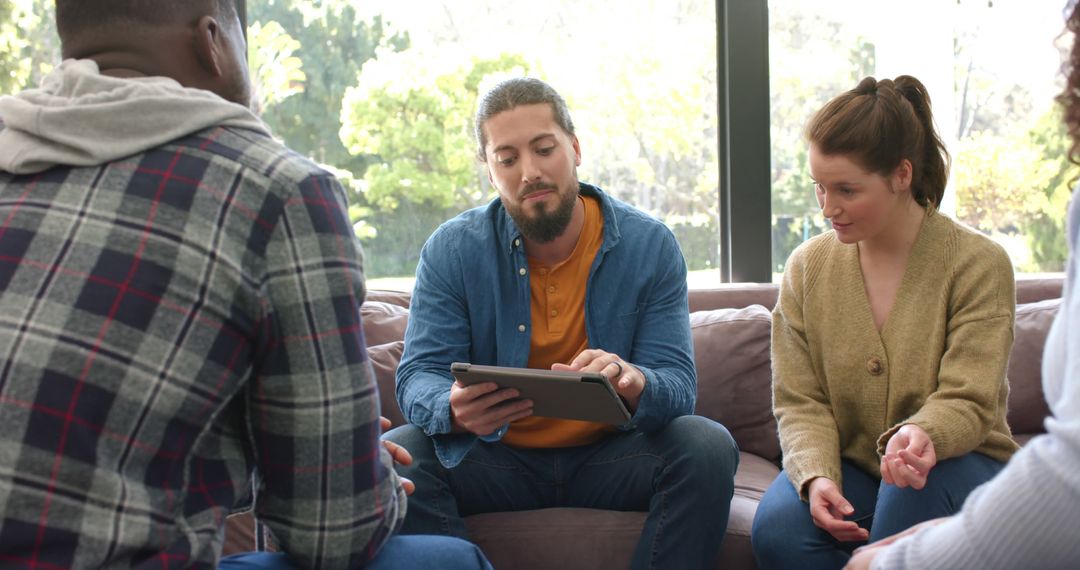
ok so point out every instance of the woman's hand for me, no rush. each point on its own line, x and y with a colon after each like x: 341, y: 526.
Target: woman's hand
x: 909, y: 457
x: 828, y: 507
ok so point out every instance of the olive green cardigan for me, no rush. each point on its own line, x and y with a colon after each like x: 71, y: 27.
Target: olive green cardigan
x: 841, y: 388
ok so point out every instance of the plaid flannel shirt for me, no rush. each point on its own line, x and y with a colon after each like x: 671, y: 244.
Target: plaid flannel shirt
x: 171, y: 324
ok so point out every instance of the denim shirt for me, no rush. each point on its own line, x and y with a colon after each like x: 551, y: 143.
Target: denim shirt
x: 471, y: 304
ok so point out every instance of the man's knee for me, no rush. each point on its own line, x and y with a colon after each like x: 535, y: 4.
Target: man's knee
x: 415, y: 441
x: 705, y: 442
x: 410, y: 437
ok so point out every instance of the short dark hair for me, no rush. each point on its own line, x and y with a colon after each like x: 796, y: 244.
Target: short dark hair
x: 881, y: 123
x: 515, y: 92
x: 82, y: 16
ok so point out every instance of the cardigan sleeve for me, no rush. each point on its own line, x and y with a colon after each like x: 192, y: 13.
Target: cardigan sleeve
x: 809, y: 438
x: 971, y: 385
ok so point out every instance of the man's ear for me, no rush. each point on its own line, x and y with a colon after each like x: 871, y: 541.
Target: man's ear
x: 577, y: 150
x: 207, y: 49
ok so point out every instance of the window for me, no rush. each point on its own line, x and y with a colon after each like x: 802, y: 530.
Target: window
x: 698, y: 132
x: 385, y: 93
x: 991, y: 68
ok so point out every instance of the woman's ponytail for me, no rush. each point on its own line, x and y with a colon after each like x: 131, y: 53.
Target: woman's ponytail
x: 928, y: 183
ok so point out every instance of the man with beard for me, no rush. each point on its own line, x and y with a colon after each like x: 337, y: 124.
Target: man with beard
x: 556, y: 274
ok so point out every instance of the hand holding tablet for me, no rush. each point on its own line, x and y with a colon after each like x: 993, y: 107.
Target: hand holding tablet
x: 586, y: 396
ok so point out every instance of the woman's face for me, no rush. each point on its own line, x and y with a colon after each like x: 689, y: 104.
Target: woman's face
x: 860, y: 205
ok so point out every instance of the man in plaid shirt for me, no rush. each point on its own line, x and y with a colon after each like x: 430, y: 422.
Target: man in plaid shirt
x: 179, y: 312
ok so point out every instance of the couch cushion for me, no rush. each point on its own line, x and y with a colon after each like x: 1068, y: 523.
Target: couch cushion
x: 383, y: 322
x: 569, y: 539
x: 399, y: 298
x: 734, y: 296
x: 1027, y: 404
x: 1031, y: 289
x: 384, y: 359
x: 731, y: 352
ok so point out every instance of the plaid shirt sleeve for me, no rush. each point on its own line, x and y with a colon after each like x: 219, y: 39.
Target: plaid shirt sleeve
x: 329, y: 492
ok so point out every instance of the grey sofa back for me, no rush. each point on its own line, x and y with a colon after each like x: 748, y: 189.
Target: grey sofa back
x: 731, y: 329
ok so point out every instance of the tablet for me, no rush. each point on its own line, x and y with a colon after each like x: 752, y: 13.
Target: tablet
x: 586, y: 396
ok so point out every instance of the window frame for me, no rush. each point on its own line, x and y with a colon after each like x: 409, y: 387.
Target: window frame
x: 744, y: 145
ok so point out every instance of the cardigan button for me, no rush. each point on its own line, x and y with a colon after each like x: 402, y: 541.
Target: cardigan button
x: 874, y: 366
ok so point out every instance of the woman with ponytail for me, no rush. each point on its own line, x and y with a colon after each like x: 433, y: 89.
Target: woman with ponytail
x: 890, y: 341
x: 1028, y: 515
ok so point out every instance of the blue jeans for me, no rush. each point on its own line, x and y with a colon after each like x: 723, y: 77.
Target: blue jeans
x: 683, y: 475
x: 399, y: 553
x: 784, y: 535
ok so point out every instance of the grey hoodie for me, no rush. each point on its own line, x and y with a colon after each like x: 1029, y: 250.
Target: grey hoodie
x: 79, y: 117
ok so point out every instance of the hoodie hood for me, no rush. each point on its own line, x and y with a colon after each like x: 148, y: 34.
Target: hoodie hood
x: 79, y: 117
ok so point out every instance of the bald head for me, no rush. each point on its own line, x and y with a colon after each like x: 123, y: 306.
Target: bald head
x: 199, y: 43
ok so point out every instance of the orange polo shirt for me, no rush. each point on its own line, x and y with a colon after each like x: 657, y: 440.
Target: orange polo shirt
x: 557, y: 303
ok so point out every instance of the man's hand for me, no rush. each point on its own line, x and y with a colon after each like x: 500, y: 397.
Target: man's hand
x: 828, y: 507
x: 628, y: 381
x: 864, y: 556
x: 482, y: 408
x: 909, y: 457
x: 399, y: 454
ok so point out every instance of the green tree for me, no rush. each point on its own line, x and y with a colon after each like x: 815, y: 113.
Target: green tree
x: 275, y: 71
x: 818, y: 65
x: 1044, y: 227
x: 333, y: 43
x: 29, y: 48
x: 643, y: 100
x: 411, y: 113
x: 1018, y: 185
x: 995, y: 178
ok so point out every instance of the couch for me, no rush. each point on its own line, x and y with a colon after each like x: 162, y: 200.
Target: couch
x: 731, y: 328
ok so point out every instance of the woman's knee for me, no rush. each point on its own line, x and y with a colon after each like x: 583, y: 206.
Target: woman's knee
x: 947, y: 487
x: 780, y: 519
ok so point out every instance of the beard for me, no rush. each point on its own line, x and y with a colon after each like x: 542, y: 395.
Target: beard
x: 544, y: 226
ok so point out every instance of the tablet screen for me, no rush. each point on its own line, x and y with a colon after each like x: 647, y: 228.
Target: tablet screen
x: 586, y: 396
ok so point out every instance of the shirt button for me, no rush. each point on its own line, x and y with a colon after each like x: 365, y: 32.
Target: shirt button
x: 521, y: 328
x: 554, y: 313
x: 517, y: 243
x: 551, y: 289
x: 874, y: 366
x: 521, y: 271
x: 543, y: 272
